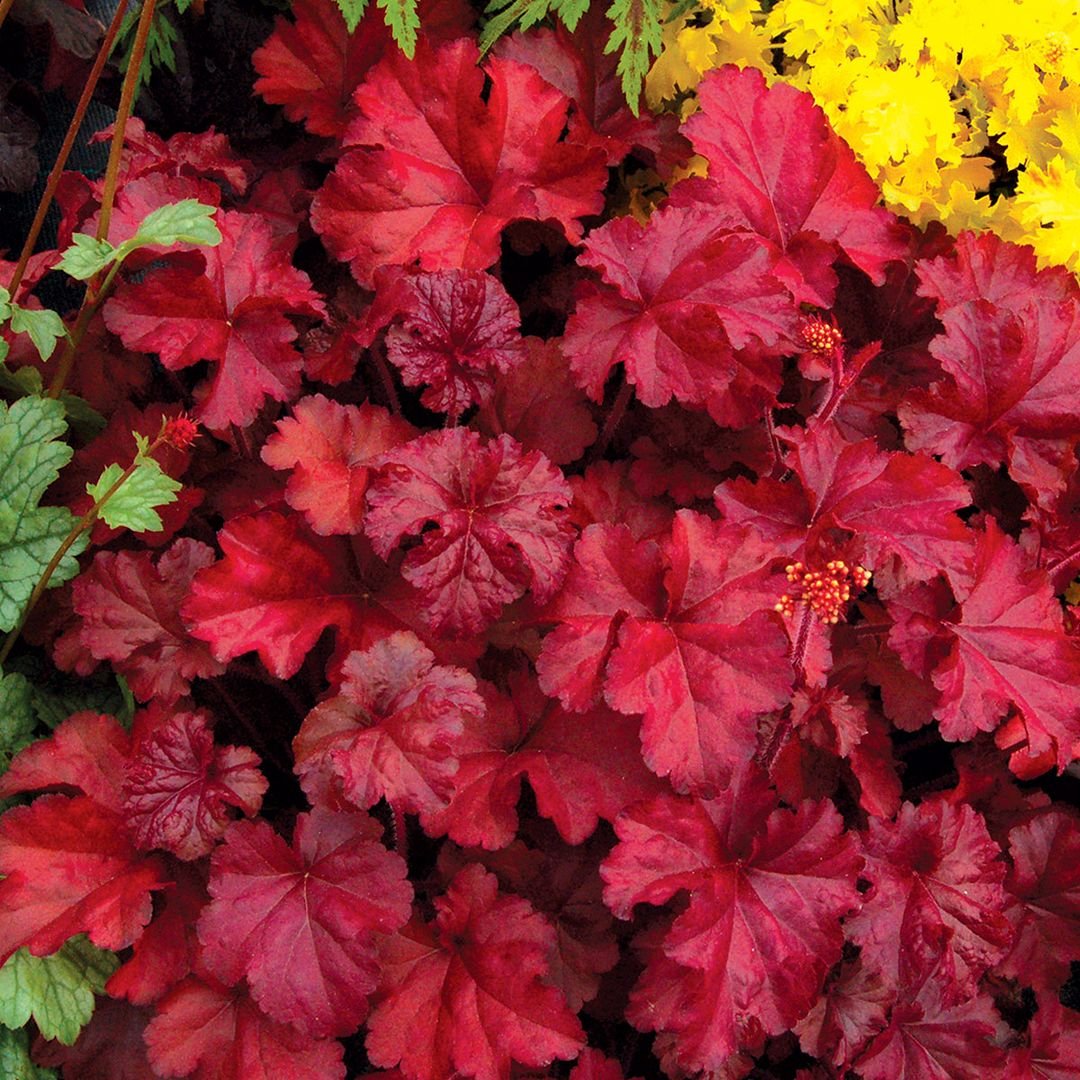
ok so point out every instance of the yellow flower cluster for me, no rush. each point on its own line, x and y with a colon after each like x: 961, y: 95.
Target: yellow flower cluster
x: 923, y: 91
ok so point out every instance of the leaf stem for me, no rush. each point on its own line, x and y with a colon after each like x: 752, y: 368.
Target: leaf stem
x: 65, y: 149
x: 84, y: 523
x: 5, y: 7
x: 386, y: 378
x: 1070, y: 556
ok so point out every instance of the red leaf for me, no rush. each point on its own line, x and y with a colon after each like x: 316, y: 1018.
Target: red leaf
x: 316, y: 904
x: 233, y: 314
x: 580, y: 767
x: 499, y: 517
x: 454, y: 331
x: 755, y: 874
x: 936, y: 875
x: 1045, y: 880
x: 1009, y: 648
x: 205, y: 1031
x: 467, y: 994
x: 129, y: 605
x: 276, y: 589
x: 180, y: 787
x: 312, y: 65
x: 110, y: 1047
x: 87, y: 751
x: 439, y: 183
x: 900, y: 508
x: 578, y: 64
x: 71, y: 869
x: 165, y: 953
x: 681, y: 296
x: 779, y: 170
x: 393, y: 732
x: 1011, y: 360
x: 699, y: 658
x: 1054, y: 1053
x: 330, y: 449
x: 529, y: 395
x: 934, y: 1037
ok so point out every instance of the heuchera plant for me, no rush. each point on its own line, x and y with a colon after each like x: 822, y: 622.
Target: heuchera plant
x: 565, y: 638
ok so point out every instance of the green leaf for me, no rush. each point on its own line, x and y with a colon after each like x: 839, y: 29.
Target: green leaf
x: 15, y: 1063
x: 43, y: 326
x: 31, y: 457
x: 570, y: 11
x: 17, y: 721
x: 58, y: 990
x: 86, y: 257
x: 503, y: 17
x: 402, y: 18
x: 56, y: 695
x: 639, y: 33
x: 134, y: 504
x: 352, y: 11
x: 186, y: 222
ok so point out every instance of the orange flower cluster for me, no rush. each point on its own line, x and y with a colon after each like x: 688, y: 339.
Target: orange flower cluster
x: 825, y: 593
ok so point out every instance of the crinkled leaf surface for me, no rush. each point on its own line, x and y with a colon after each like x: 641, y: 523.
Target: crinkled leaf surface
x: 493, y: 522
x: 17, y: 720
x: 316, y: 904
x: 181, y: 787
x: 393, y: 732
x: 1007, y: 647
x: 468, y: 992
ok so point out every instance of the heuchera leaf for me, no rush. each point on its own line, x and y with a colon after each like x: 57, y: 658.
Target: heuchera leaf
x: 233, y: 314
x: 313, y: 64
x: 756, y: 874
x: 1044, y: 880
x: 180, y: 786
x: 899, y: 508
x: 15, y: 1062
x: 455, y: 331
x: 57, y: 991
x: 681, y: 295
x: 17, y: 719
x: 527, y: 396
x: 581, y: 768
x: 438, y: 183
x: 468, y: 992
x: 936, y: 876
x: 316, y: 903
x: 71, y: 869
x: 129, y: 606
x: 682, y: 632
x: 1007, y: 647
x: 778, y: 170
x: 331, y: 450
x: 392, y: 732
x: 1010, y: 356
x: 208, y: 1032
x: 276, y: 589
x: 110, y: 1047
x: 932, y: 1035
x: 499, y: 517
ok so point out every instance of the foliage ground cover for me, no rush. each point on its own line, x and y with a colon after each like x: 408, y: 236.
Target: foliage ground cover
x: 504, y: 584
